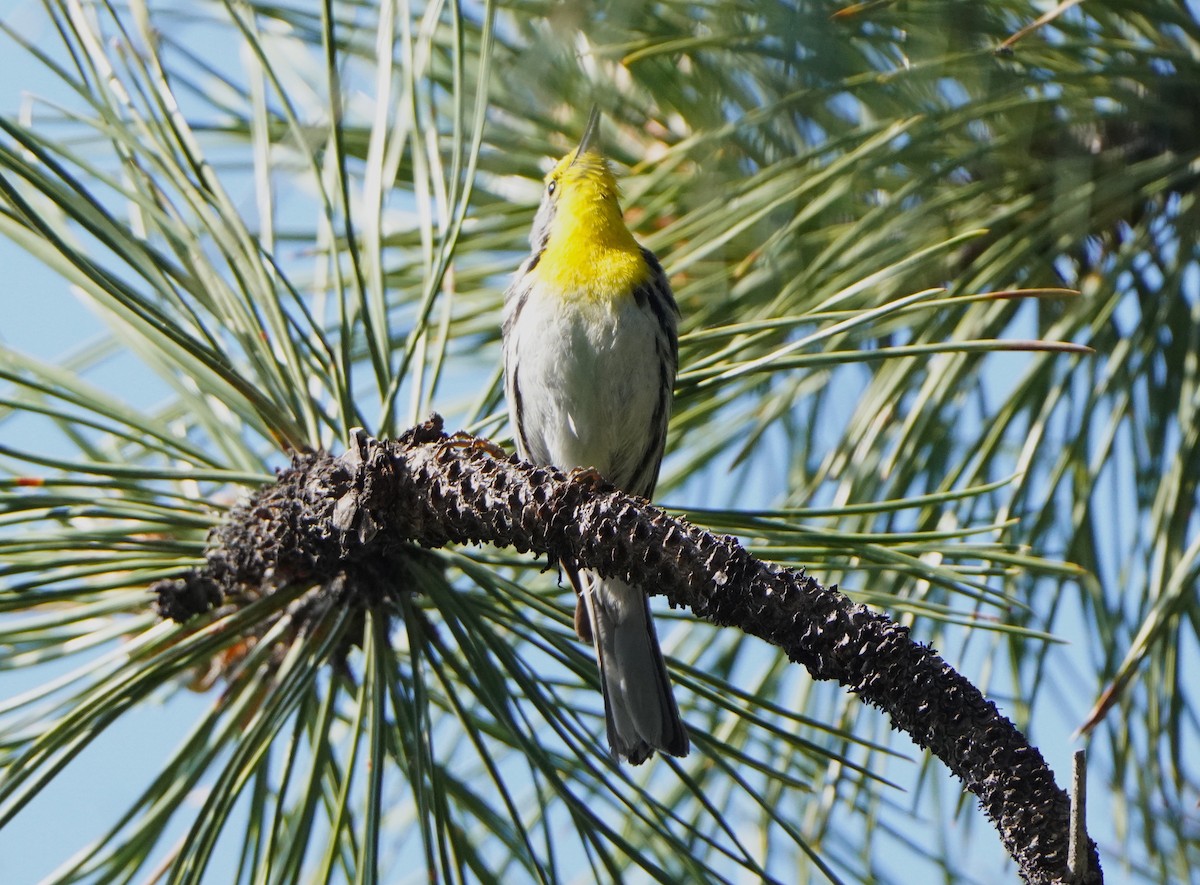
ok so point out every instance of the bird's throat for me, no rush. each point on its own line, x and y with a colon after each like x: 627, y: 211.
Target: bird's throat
x: 591, y: 254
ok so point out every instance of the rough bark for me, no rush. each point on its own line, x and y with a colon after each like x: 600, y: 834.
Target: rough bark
x: 344, y: 521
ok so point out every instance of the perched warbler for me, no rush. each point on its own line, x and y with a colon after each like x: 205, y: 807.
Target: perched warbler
x: 590, y: 354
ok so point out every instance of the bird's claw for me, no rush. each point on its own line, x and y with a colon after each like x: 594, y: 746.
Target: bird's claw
x: 588, y: 476
x: 462, y: 440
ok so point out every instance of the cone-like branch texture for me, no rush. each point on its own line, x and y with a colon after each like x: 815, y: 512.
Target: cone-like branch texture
x: 347, y: 520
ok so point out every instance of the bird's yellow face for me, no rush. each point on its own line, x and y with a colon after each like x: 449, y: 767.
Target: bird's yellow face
x: 588, y: 177
x: 585, y: 245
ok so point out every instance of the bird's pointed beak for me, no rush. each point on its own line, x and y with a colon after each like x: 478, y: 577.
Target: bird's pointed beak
x: 589, y: 132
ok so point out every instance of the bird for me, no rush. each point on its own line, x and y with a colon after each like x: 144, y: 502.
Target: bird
x: 590, y: 331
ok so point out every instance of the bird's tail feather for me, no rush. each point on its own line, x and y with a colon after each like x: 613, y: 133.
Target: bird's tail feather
x: 639, y: 704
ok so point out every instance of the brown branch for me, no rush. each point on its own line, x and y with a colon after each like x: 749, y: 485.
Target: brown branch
x: 354, y: 518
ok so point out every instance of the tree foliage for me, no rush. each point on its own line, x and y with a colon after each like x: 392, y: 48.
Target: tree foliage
x: 300, y: 222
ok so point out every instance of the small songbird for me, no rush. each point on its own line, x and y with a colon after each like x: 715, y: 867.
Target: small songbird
x: 590, y: 355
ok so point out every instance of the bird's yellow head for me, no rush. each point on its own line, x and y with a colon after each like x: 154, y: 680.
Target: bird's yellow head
x: 579, y: 231
x: 583, y: 178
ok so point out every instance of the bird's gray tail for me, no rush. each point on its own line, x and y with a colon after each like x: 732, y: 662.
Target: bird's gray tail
x: 639, y: 705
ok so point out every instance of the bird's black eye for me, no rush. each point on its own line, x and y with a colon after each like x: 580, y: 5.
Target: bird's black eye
x: 551, y: 186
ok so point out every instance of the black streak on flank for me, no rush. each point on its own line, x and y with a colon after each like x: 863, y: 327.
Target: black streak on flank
x: 510, y: 321
x: 662, y: 302
x: 645, y: 477
x: 519, y: 408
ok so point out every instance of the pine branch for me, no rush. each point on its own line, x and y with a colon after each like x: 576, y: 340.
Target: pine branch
x: 342, y: 523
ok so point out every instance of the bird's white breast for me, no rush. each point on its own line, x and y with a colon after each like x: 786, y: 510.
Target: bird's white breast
x: 589, y: 378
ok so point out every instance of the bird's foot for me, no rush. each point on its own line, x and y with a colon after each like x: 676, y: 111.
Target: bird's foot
x: 463, y: 440
x: 588, y: 476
